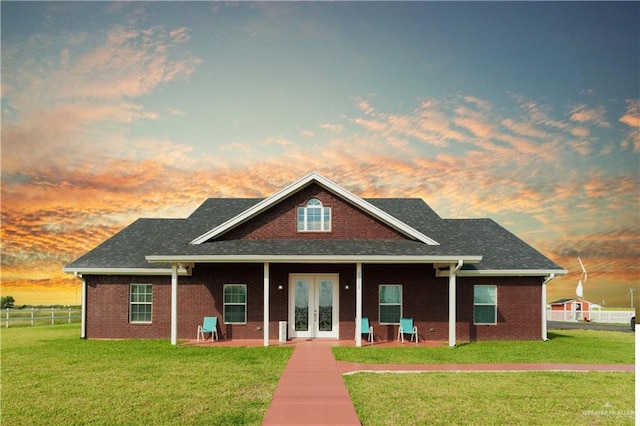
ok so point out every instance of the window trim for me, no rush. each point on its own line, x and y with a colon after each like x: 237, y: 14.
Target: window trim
x: 380, y: 304
x: 495, y: 305
x: 225, y: 304
x: 324, y: 210
x: 131, y: 303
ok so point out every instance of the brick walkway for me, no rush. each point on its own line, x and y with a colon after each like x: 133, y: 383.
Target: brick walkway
x: 353, y: 367
x: 311, y: 390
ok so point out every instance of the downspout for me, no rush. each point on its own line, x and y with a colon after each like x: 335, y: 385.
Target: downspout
x: 83, y: 306
x: 544, y: 306
x: 452, y: 302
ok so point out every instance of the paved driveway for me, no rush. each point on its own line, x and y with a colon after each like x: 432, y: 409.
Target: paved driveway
x: 561, y: 325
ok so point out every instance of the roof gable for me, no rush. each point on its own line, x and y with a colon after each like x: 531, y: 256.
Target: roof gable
x: 330, y: 186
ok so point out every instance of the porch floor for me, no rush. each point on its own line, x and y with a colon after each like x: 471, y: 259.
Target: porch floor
x: 330, y: 342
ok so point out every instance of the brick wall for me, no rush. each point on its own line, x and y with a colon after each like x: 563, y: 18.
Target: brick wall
x: 108, y: 307
x: 425, y: 298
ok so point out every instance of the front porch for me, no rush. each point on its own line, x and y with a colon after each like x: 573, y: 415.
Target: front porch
x: 354, y: 291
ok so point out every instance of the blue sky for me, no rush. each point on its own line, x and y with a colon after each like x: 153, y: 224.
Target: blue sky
x: 528, y: 113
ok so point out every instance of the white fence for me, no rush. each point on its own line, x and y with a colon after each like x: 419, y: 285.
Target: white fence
x: 592, y: 316
x: 40, y: 316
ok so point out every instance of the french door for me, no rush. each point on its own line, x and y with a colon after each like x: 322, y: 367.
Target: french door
x: 313, y: 305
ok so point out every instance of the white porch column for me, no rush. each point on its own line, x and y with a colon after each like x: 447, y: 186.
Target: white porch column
x: 544, y: 310
x: 174, y: 303
x: 265, y: 327
x: 83, y: 310
x: 358, y: 304
x: 453, y: 268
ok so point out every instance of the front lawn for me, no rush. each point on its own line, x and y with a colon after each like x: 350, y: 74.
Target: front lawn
x: 539, y: 398
x: 51, y: 376
x: 566, y: 346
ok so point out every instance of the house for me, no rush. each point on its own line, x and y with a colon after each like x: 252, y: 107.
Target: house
x: 575, y: 309
x: 318, y: 257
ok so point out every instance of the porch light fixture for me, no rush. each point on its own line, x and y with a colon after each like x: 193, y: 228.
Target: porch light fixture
x: 280, y: 287
x: 346, y: 286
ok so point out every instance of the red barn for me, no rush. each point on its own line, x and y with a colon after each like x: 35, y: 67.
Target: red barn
x: 572, y: 310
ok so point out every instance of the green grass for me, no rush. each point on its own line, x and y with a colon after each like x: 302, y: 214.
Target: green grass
x: 566, y: 346
x: 540, y: 398
x: 51, y: 376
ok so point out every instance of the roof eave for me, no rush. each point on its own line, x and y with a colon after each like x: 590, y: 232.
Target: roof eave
x: 125, y: 271
x: 309, y: 259
x: 505, y: 272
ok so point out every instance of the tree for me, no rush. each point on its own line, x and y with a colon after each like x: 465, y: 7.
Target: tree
x: 7, y: 302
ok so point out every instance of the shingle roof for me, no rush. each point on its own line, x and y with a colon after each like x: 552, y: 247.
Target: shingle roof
x: 499, y: 248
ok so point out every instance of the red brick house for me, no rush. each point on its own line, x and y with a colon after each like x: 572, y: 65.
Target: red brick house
x: 319, y: 257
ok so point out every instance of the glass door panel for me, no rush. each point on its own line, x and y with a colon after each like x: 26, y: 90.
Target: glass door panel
x: 325, y: 305
x: 301, y: 309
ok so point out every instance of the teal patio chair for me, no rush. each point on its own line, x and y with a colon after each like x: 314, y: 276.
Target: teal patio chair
x: 407, y: 327
x: 209, y: 325
x: 367, y: 328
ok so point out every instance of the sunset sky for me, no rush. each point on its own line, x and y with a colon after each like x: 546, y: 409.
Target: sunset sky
x: 527, y: 113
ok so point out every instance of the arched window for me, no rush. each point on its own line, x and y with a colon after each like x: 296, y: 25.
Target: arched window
x: 314, y: 217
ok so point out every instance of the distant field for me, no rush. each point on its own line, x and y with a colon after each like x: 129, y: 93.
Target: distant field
x: 52, y: 377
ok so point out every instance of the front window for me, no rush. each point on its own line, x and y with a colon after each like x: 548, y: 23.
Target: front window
x: 314, y: 216
x: 485, y: 304
x: 235, y: 304
x: 390, y: 304
x: 140, y: 303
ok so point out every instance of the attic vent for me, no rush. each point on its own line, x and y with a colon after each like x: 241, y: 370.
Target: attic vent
x: 314, y: 217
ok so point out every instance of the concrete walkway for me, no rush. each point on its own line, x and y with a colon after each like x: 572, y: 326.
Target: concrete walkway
x: 311, y: 390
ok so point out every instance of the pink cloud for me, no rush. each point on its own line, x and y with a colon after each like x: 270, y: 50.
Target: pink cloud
x: 581, y: 132
x: 582, y: 147
x: 594, y: 115
x: 180, y: 35
x: 335, y: 128
x: 524, y: 129
x: 632, y: 119
x: 277, y: 140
